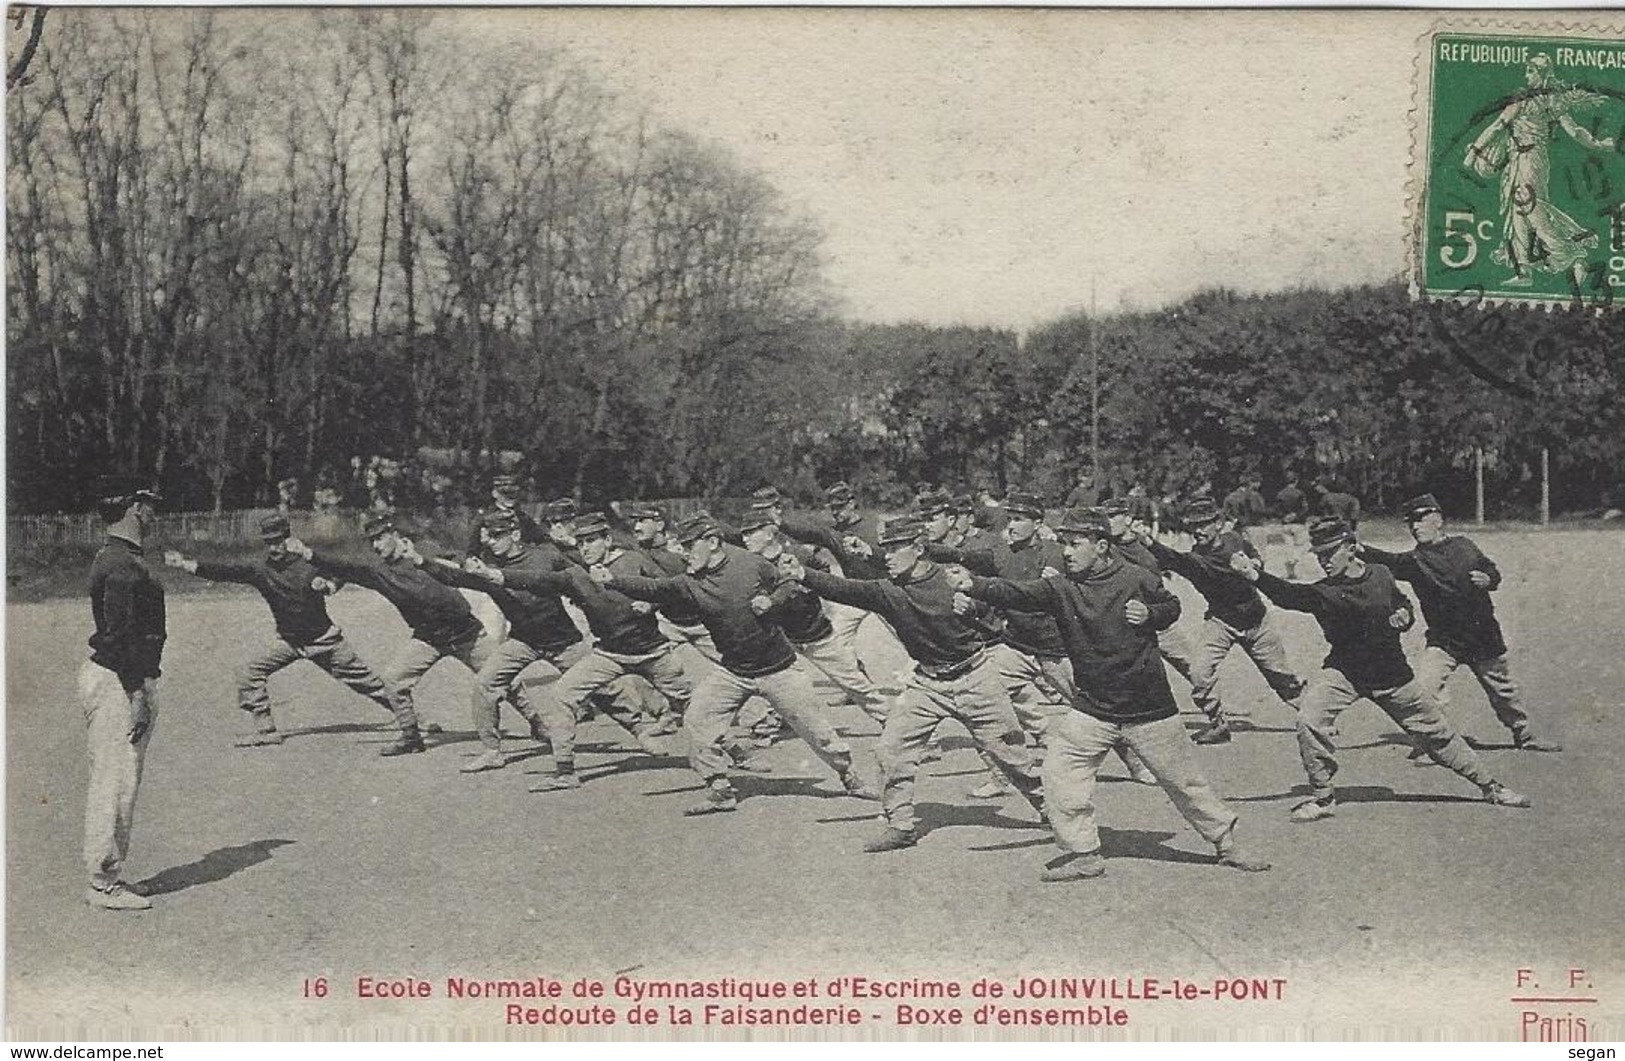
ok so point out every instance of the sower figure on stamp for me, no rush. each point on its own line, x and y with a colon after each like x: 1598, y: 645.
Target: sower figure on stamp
x: 724, y: 583
x: 1362, y: 613
x: 1235, y: 615
x: 1453, y: 581
x: 954, y: 675
x: 800, y: 613
x: 118, y: 686
x: 441, y: 622
x: 1108, y: 613
x: 297, y: 596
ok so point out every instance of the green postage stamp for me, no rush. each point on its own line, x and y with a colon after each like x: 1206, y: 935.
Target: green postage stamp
x: 1520, y: 152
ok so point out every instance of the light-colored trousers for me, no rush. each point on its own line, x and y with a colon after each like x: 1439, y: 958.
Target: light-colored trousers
x: 1494, y: 676
x: 720, y: 695
x: 833, y: 658
x: 560, y: 704
x: 516, y: 666
x: 413, y: 662
x: 978, y: 700
x: 1263, y: 646
x: 331, y: 652
x: 115, y: 770
x: 1078, y: 744
x: 1418, y: 714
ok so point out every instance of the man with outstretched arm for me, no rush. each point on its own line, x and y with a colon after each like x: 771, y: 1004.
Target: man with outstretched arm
x: 1235, y: 615
x: 297, y: 596
x: 723, y: 583
x: 440, y: 619
x: 800, y: 613
x: 954, y: 675
x: 1453, y: 581
x: 626, y: 641
x: 1362, y: 613
x: 1108, y: 613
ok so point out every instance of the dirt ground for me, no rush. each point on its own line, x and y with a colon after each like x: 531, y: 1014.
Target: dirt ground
x: 1406, y: 916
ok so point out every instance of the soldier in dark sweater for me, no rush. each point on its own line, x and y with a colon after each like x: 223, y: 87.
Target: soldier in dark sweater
x: 1453, y: 581
x: 800, y: 613
x: 297, y: 595
x: 954, y: 674
x: 118, y: 686
x: 723, y: 583
x: 440, y: 619
x: 1108, y: 613
x: 626, y: 641
x: 1235, y: 615
x: 540, y: 630
x: 1362, y: 613
x: 1031, y: 659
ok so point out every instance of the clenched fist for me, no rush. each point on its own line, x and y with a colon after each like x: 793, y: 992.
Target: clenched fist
x: 1136, y: 612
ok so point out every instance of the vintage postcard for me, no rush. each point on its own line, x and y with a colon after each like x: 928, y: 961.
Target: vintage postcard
x: 818, y: 524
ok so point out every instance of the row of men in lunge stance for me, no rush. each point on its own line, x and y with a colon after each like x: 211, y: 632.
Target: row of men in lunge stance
x: 1046, y: 642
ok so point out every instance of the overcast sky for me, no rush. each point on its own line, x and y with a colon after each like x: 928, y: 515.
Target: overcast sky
x: 987, y: 167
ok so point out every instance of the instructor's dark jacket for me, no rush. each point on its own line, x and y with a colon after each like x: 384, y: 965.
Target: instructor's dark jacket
x: 127, y: 603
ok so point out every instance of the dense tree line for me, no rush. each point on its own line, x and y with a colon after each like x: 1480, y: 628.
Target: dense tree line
x: 230, y: 261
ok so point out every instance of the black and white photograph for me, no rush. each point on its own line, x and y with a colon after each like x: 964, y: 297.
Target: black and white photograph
x: 843, y: 524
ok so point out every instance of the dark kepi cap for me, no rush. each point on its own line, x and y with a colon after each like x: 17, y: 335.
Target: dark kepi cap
x: 500, y: 521
x: 1084, y: 523
x: 901, y: 531
x: 839, y: 493
x: 766, y: 495
x: 1419, y: 506
x: 275, y: 529
x: 375, y: 523
x: 504, y: 482
x: 757, y: 517
x: 931, y: 502
x: 962, y: 505
x: 642, y: 510
x: 1115, y: 506
x: 1328, y: 532
x: 1200, y: 511
x: 560, y: 510
x: 589, y: 524
x: 1027, y: 505
x: 696, y: 527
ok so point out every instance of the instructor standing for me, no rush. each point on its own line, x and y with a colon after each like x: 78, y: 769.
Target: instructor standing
x: 118, y: 686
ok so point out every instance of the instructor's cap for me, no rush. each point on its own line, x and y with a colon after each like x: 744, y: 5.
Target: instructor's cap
x: 275, y: 528
x: 1027, y: 506
x: 374, y: 524
x: 696, y: 527
x: 840, y: 493
x: 1200, y: 511
x: 1421, y: 505
x: 1084, y: 523
x: 1327, y: 533
x: 901, y: 531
